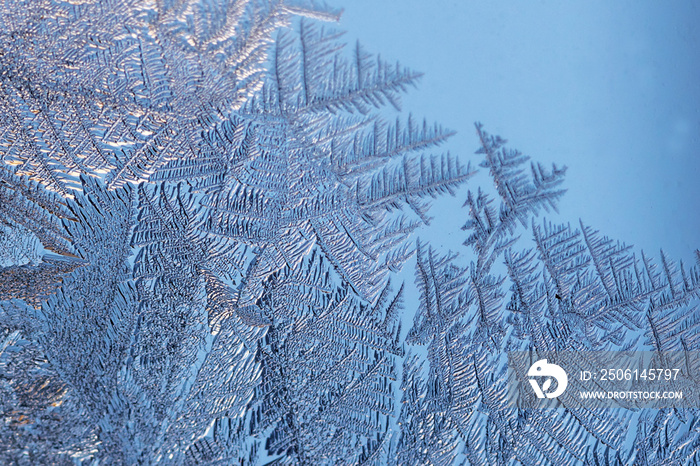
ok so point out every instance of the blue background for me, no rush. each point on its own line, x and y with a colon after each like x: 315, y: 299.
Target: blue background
x: 608, y: 88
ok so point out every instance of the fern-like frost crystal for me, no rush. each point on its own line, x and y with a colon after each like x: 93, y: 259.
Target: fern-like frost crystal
x: 205, y: 211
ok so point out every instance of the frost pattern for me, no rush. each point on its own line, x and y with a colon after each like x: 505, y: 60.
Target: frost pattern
x: 204, y: 212
x: 574, y: 290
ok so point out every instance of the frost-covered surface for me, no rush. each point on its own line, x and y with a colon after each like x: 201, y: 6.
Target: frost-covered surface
x: 203, y: 214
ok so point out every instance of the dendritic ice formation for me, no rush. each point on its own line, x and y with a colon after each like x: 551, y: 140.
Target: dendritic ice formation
x: 204, y: 208
x: 572, y: 290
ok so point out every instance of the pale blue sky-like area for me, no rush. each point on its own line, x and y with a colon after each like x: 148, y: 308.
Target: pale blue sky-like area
x: 608, y: 88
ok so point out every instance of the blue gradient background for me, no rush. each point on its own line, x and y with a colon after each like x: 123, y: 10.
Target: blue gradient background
x: 608, y: 88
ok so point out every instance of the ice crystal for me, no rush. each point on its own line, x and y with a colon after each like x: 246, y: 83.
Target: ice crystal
x: 204, y: 208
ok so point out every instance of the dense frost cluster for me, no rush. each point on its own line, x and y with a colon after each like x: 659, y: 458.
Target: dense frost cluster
x: 204, y: 208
